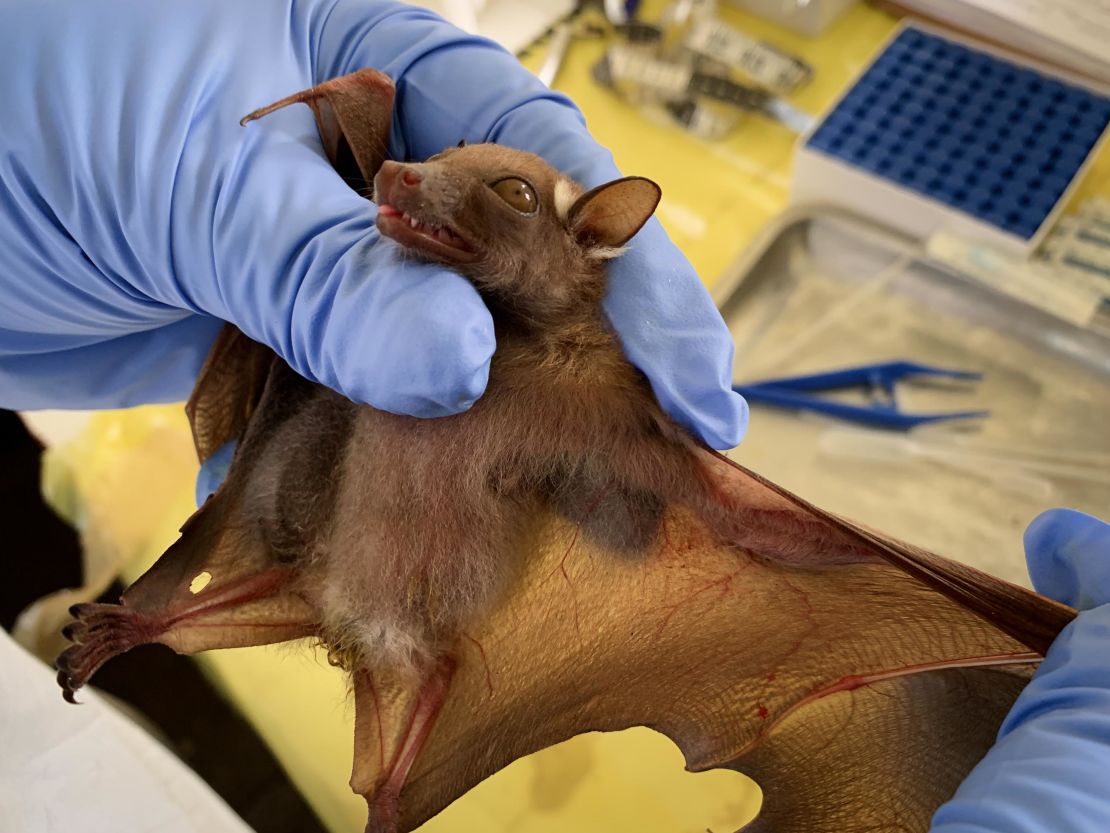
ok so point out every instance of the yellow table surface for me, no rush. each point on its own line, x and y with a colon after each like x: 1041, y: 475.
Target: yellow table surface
x: 717, y: 196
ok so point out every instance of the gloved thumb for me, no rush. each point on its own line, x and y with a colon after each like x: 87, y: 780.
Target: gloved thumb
x: 1068, y: 553
x: 298, y: 264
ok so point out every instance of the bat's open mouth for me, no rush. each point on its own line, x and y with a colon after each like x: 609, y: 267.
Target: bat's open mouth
x: 434, y: 238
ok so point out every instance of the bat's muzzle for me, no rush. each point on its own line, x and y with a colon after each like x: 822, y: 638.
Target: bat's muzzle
x: 397, y: 182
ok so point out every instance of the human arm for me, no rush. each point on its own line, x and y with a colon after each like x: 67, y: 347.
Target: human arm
x: 137, y: 214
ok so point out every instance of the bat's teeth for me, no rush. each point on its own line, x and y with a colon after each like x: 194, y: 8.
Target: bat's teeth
x: 413, y: 222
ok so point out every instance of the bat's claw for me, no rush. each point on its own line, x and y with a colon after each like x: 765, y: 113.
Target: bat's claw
x: 99, y: 632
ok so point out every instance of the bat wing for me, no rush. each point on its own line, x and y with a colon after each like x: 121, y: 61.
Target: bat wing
x: 218, y: 586
x: 852, y: 689
x: 227, y: 391
x: 822, y: 769
x: 223, y: 583
x: 1030, y: 619
x: 353, y: 114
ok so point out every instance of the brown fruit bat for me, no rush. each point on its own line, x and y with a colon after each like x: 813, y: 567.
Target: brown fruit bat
x: 563, y: 557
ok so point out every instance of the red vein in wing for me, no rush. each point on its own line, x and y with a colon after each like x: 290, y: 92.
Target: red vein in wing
x: 854, y: 681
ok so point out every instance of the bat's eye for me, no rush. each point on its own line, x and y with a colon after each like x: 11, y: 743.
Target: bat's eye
x: 517, y: 193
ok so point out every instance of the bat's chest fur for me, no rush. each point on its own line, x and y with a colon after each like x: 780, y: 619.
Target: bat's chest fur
x: 432, y: 515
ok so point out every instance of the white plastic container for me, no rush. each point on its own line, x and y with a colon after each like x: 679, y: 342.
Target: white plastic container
x: 806, y: 17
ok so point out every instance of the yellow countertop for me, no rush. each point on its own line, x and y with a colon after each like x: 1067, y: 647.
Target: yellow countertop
x: 717, y: 196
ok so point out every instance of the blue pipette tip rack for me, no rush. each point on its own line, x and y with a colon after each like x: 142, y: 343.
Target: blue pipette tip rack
x: 987, y: 137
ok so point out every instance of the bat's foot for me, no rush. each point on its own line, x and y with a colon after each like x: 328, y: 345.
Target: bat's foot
x: 383, y: 795
x: 99, y: 632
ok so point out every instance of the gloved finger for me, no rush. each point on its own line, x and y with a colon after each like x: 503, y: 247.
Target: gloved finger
x: 673, y: 332
x: 1068, y: 553
x: 213, y: 472
x: 300, y: 266
x: 1047, y: 772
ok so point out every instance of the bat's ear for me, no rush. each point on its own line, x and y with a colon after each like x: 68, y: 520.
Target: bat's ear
x: 607, y: 216
x: 353, y: 114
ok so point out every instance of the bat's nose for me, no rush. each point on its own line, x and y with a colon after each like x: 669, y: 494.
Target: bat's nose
x: 394, y: 178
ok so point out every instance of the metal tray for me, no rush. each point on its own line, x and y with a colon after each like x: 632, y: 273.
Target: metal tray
x: 1046, y: 384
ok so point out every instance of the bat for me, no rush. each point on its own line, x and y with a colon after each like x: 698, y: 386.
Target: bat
x: 563, y: 556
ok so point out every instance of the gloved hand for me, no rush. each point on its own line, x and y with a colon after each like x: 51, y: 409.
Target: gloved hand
x: 135, y: 211
x: 1049, y: 772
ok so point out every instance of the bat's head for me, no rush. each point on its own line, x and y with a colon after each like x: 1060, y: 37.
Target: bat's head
x: 528, y: 237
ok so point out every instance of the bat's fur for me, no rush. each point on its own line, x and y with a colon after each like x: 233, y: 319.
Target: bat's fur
x: 429, y: 520
x: 398, y: 531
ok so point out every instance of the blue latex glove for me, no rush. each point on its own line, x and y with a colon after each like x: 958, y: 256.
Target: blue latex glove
x: 1050, y: 769
x: 135, y: 212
